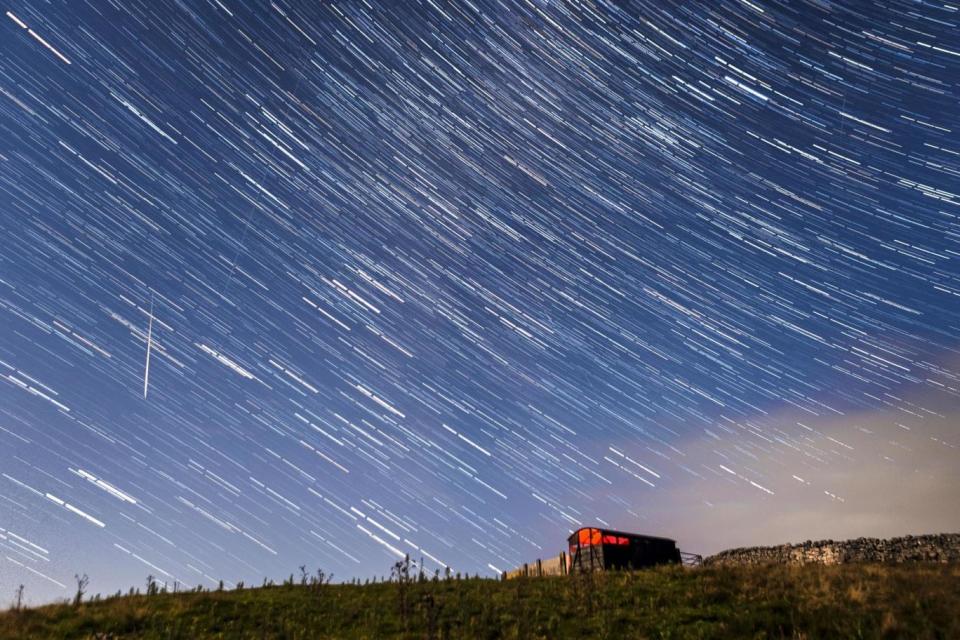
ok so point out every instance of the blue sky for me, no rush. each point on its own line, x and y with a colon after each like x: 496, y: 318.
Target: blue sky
x: 454, y: 279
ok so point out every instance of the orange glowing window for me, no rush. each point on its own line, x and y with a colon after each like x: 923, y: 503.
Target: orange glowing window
x: 617, y: 540
x: 587, y: 537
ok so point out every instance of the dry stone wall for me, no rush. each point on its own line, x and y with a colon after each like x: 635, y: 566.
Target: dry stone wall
x: 944, y: 547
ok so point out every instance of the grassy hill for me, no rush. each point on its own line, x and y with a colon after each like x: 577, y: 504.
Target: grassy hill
x: 847, y: 601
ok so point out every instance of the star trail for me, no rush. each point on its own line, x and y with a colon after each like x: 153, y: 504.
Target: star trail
x: 329, y: 283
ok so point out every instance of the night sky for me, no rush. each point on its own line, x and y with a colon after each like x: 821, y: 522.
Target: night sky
x: 327, y: 283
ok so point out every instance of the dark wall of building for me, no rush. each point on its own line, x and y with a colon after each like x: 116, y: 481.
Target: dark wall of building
x: 640, y: 553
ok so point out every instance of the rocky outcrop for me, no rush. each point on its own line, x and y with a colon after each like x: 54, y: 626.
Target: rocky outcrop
x: 944, y: 547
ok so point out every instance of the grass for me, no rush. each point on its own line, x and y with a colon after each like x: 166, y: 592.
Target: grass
x: 813, y: 602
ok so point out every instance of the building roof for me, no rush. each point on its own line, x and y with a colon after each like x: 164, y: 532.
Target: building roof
x: 624, y: 534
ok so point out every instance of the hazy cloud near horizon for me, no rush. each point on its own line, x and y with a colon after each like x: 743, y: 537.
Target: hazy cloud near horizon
x: 877, y: 473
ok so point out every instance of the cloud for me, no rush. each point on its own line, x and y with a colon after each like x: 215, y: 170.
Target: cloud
x: 793, y: 476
